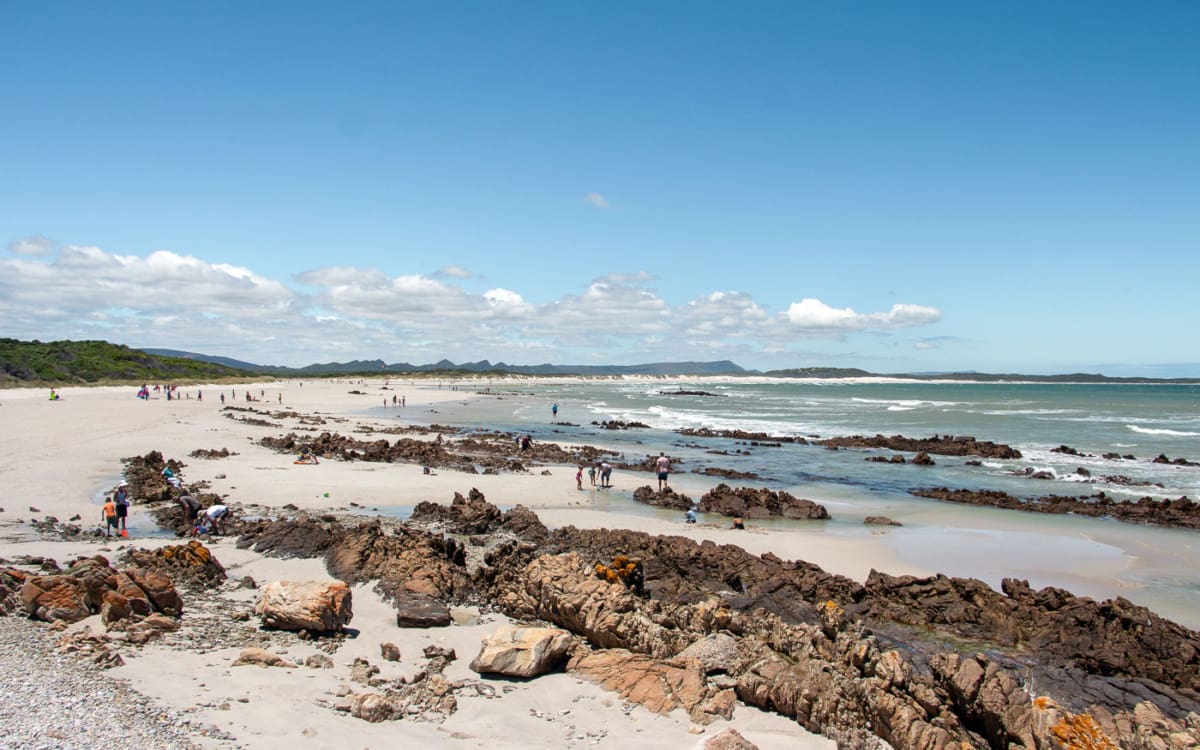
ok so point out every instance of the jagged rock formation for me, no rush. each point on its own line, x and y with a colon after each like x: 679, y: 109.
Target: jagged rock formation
x: 918, y: 664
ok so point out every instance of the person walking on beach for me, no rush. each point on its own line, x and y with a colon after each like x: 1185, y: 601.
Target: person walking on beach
x: 579, y: 478
x: 663, y: 464
x: 109, y: 516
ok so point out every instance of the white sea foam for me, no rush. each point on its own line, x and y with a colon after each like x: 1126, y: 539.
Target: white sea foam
x: 1153, y: 431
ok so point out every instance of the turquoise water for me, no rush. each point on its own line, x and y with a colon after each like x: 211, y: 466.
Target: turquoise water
x: 1157, y: 567
x: 1142, y: 420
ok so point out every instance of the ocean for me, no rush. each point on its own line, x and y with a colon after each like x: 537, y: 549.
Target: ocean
x: 1096, y: 557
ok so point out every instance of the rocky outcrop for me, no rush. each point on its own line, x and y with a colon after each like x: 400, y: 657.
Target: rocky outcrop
x: 464, y: 515
x: 664, y: 498
x: 522, y: 652
x: 1111, y: 638
x: 1180, y: 513
x: 304, y: 536
x: 835, y: 677
x: 401, y: 560
x: 489, y: 452
x: 313, y: 606
x: 748, y: 502
x: 88, y: 586
x: 944, y: 445
x: 752, y: 437
x: 1161, y: 458
x: 660, y: 686
x: 188, y: 565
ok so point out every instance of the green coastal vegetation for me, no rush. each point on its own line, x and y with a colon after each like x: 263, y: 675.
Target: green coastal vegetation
x: 36, y: 363
x: 97, y: 363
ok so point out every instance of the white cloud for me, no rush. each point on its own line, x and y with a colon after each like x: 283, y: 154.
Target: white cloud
x: 35, y: 246
x: 596, y: 200
x: 180, y: 301
x: 813, y: 315
x: 924, y: 345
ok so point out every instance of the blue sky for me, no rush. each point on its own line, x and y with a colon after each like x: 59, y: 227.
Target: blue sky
x: 893, y: 186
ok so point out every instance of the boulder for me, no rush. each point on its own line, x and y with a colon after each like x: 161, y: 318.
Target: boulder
x: 317, y: 606
x: 51, y: 598
x: 260, y: 657
x: 159, y: 590
x: 730, y: 739
x: 114, y: 608
x: 522, y: 652
x: 416, y: 610
x: 716, y: 652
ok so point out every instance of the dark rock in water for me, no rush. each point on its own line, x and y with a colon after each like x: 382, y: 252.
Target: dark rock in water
x: 748, y: 502
x: 666, y: 498
x: 1067, y: 450
x: 1159, y: 459
x: 713, y: 471
x: 895, y: 458
x: 1181, y: 512
x: 945, y: 445
x: 973, y: 462
x: 414, y: 610
x: 880, y: 521
x: 754, y: 437
x: 922, y: 459
x: 682, y: 392
x: 1081, y: 471
x: 612, y: 424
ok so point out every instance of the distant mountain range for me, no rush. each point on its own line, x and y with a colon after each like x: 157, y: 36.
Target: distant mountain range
x: 721, y: 367
x: 363, y: 366
x: 99, y: 361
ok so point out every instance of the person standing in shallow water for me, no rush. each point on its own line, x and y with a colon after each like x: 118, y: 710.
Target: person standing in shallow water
x: 554, y: 411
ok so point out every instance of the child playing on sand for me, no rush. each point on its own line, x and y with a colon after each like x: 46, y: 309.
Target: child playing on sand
x: 579, y: 479
x: 592, y: 474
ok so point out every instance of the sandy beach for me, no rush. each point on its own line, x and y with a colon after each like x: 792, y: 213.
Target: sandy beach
x: 62, y: 456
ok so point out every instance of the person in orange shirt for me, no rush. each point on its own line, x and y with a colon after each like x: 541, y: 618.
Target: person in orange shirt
x: 110, y: 516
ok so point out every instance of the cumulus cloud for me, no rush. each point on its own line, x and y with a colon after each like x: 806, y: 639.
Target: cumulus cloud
x: 36, y: 246
x: 810, y: 314
x: 180, y: 301
x: 596, y: 200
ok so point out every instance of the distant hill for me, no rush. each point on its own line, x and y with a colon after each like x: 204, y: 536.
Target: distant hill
x: 971, y: 376
x: 363, y: 366
x: 64, y: 362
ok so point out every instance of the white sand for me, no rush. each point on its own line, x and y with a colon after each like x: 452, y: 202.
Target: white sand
x: 61, y: 456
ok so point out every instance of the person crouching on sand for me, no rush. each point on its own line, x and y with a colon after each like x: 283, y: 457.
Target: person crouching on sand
x: 216, y: 518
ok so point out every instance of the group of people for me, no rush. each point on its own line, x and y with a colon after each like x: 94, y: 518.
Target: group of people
x: 601, y: 469
x: 116, y: 511
x: 204, y: 521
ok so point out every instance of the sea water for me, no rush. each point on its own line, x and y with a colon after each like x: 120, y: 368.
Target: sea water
x: 1153, y: 566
